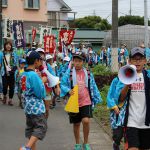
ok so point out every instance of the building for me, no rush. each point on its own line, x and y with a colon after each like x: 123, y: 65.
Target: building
x: 131, y: 35
x: 35, y: 12
x: 95, y: 38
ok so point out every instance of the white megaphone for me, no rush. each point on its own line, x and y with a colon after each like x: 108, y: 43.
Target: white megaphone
x: 127, y: 74
x: 53, y: 80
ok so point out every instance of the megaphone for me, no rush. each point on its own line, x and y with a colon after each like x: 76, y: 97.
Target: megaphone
x: 72, y: 105
x: 127, y: 74
x: 53, y: 80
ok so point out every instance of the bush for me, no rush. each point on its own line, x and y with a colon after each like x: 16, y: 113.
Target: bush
x: 104, y: 92
x: 101, y: 70
x: 103, y: 75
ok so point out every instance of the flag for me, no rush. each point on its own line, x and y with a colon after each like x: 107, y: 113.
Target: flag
x: 33, y: 34
x: 65, y: 37
x: 8, y: 33
x: 49, y: 44
x: 18, y: 34
x: 43, y: 33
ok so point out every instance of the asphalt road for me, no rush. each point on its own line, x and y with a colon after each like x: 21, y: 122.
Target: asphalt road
x: 59, y: 135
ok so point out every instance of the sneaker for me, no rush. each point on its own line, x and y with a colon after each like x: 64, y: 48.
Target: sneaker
x: 10, y: 103
x: 86, y: 147
x: 25, y: 148
x: 4, y: 99
x: 78, y: 147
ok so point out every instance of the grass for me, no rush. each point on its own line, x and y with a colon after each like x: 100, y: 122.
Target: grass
x: 101, y: 114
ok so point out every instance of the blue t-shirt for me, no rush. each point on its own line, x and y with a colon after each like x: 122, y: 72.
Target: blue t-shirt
x: 33, y: 92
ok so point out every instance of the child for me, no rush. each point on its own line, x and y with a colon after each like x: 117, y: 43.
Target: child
x: 138, y: 105
x: 48, y: 89
x: 34, y: 93
x: 117, y: 114
x: 18, y: 73
x: 88, y: 95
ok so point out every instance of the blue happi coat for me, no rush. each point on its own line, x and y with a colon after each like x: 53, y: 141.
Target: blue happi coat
x: 113, y: 101
x: 66, y: 86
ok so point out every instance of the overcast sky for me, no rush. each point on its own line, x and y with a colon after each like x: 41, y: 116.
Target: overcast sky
x: 103, y: 8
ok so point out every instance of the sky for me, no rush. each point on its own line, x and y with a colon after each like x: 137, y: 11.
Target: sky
x: 103, y: 8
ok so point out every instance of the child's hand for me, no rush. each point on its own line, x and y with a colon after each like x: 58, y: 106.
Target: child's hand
x: 44, y: 79
x: 57, y: 91
x: 46, y: 114
x: 117, y: 111
x: 71, y: 92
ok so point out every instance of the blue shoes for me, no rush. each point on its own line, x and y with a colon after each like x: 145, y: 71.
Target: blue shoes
x: 25, y: 148
x: 78, y: 147
x: 86, y: 147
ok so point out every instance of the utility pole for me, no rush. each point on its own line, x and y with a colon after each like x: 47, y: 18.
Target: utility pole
x: 0, y: 25
x: 146, y: 24
x: 94, y: 12
x: 114, y: 52
x: 130, y: 8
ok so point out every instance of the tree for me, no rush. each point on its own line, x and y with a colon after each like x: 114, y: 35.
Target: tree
x: 91, y: 22
x: 136, y: 20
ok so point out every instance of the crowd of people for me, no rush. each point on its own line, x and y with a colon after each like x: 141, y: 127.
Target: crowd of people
x: 40, y: 78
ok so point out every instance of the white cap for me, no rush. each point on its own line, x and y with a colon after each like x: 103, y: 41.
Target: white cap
x: 48, y: 56
x: 90, y: 52
x: 40, y: 50
x: 66, y: 58
x: 60, y: 55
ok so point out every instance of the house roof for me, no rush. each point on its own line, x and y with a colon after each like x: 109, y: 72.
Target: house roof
x: 64, y: 7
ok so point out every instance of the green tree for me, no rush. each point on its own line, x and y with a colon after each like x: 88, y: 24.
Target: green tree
x: 91, y: 22
x: 136, y: 20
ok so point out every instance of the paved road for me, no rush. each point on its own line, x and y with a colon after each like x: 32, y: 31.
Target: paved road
x: 59, y: 135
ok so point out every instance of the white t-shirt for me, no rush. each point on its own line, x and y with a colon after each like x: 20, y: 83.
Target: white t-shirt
x: 137, y: 104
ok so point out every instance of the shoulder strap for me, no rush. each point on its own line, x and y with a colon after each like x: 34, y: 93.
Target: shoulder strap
x: 88, y: 71
x: 5, y: 61
x: 71, y: 80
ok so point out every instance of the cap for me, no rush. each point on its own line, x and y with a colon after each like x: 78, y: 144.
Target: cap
x: 60, y: 55
x: 21, y: 61
x: 66, y: 58
x: 40, y: 50
x: 123, y: 44
x: 137, y: 50
x: 48, y: 56
x: 33, y: 55
x: 79, y: 55
x: 90, y: 52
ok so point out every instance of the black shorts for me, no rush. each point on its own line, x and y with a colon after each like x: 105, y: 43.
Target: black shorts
x: 85, y: 111
x: 139, y: 138
x: 118, y: 134
x: 36, y: 126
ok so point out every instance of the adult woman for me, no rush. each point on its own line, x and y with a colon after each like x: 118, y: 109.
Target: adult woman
x: 8, y: 60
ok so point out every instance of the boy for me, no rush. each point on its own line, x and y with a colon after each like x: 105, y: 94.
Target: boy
x: 34, y: 93
x: 117, y: 114
x: 138, y: 107
x: 18, y: 73
x: 88, y: 95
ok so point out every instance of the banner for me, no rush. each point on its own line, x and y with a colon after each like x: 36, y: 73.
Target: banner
x: 8, y: 33
x: 65, y: 37
x: 18, y: 34
x: 33, y: 34
x: 43, y: 32
x: 49, y: 44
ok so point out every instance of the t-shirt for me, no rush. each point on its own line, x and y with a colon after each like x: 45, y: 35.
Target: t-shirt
x: 84, y: 96
x: 137, y: 104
